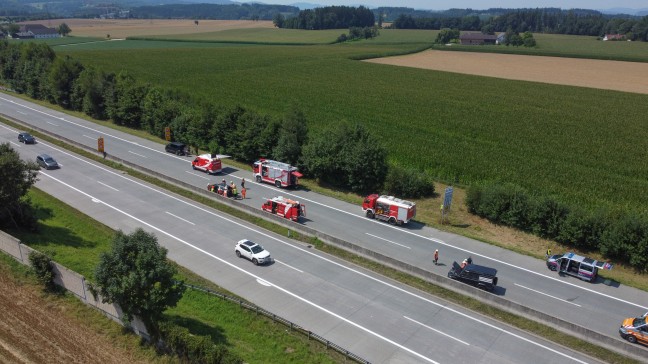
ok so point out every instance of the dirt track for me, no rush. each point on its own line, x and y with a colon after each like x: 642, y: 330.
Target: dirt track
x: 611, y: 75
x: 35, y: 330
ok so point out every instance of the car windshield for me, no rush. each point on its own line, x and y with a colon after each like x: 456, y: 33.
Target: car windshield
x: 639, y: 321
x: 49, y: 160
x: 257, y: 249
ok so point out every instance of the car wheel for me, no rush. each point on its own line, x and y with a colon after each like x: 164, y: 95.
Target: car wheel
x: 552, y: 267
x: 238, y: 253
x: 258, y: 179
x: 392, y: 221
x: 370, y: 214
x: 632, y: 339
x: 256, y: 262
x: 178, y: 152
x: 278, y: 184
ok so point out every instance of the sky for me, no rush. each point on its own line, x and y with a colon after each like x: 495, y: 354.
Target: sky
x: 479, y: 4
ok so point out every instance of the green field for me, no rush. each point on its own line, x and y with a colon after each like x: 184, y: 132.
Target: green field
x: 574, y: 46
x: 586, y: 145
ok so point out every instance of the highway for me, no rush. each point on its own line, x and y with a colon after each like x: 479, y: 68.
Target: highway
x: 374, y: 317
x: 522, y: 279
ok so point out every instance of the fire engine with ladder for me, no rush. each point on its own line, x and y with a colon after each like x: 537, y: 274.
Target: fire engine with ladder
x: 278, y: 173
x: 284, y: 207
x: 389, y: 208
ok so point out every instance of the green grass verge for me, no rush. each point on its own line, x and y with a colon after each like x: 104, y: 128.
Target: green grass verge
x: 451, y: 296
x: 570, y: 142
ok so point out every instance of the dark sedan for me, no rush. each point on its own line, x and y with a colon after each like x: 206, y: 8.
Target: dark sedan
x: 26, y: 138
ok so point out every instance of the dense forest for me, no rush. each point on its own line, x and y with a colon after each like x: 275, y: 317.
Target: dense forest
x: 251, y: 11
x: 330, y: 17
x: 556, y: 21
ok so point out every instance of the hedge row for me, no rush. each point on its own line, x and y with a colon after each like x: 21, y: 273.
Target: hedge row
x: 621, y: 237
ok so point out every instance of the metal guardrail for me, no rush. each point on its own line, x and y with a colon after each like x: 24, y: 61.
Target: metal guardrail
x: 293, y: 327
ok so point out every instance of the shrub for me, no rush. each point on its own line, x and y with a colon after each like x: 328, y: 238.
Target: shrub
x: 42, y: 266
x: 408, y: 183
x: 194, y: 348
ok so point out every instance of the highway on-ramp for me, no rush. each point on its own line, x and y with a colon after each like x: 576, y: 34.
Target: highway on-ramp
x: 597, y: 306
x: 376, y: 318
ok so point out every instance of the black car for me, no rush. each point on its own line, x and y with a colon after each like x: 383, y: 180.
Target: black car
x: 476, y: 275
x: 47, y: 162
x: 26, y: 138
x: 176, y: 148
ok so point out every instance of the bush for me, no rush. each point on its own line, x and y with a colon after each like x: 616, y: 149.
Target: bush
x: 194, y: 348
x: 42, y: 267
x: 408, y: 183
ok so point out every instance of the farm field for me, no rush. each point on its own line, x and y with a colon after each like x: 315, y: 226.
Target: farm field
x: 561, y: 71
x: 122, y: 28
x: 584, y: 144
x: 35, y: 329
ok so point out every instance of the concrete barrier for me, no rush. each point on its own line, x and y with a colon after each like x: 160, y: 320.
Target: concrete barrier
x: 617, y: 345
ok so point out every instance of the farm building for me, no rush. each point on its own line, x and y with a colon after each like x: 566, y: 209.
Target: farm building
x: 37, y: 31
x: 480, y: 38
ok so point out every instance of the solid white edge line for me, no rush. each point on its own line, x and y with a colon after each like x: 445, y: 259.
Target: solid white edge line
x: 309, y: 252
x: 548, y: 295
x: 433, y: 329
x: 352, y: 214
x: 313, y: 304
x: 197, y: 175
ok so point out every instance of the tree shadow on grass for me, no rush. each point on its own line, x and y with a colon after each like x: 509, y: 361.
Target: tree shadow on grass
x: 196, y: 327
x: 46, y: 235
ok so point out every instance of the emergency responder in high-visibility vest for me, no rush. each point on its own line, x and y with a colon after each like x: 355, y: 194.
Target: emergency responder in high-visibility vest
x: 548, y: 253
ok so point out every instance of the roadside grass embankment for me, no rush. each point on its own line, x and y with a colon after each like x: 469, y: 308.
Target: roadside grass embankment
x: 76, y: 241
x: 453, y: 297
x: 565, y: 141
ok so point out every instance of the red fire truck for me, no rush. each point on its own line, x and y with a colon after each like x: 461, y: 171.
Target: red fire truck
x: 389, y: 208
x: 284, y: 207
x: 278, y: 173
x: 209, y: 163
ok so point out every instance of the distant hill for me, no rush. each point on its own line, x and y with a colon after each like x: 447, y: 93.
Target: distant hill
x: 628, y: 11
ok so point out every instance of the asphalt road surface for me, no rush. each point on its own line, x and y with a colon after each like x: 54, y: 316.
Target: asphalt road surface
x: 599, y: 306
x: 374, y: 317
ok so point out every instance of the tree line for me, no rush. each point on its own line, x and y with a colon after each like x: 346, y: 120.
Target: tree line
x: 621, y: 236
x: 357, y: 163
x: 554, y: 21
x: 329, y: 17
x: 247, y: 11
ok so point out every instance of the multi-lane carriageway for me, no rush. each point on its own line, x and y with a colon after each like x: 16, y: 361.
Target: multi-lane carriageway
x: 522, y: 279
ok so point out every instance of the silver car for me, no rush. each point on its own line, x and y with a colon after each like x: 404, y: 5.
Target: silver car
x: 47, y: 162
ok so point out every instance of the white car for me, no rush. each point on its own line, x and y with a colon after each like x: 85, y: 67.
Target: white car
x: 252, y: 251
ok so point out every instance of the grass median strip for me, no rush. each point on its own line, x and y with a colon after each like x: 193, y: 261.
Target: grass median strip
x: 516, y: 321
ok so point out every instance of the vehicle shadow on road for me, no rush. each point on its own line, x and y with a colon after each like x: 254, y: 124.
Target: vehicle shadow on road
x: 499, y: 290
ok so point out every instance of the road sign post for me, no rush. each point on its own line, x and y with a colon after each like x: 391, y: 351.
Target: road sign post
x: 100, y: 145
x: 167, y: 134
x: 447, y: 202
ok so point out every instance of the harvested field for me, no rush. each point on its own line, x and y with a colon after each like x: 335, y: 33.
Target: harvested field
x: 610, y: 75
x: 122, y: 28
x: 37, y: 330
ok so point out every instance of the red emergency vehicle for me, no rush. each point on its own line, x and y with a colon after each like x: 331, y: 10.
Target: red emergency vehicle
x: 278, y: 173
x: 389, y: 208
x: 284, y: 207
x: 209, y: 163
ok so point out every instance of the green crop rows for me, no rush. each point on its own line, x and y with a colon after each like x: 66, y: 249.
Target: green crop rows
x: 586, y: 145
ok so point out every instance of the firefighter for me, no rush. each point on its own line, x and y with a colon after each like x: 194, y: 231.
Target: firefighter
x: 234, y: 191
x: 436, y: 257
